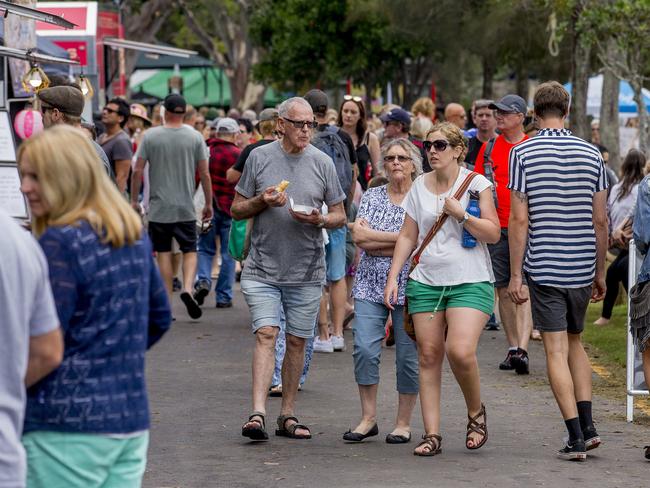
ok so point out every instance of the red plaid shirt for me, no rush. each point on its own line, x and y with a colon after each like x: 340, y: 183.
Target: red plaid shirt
x: 223, y: 155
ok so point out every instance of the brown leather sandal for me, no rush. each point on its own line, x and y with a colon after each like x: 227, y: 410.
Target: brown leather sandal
x: 433, y: 442
x: 480, y: 428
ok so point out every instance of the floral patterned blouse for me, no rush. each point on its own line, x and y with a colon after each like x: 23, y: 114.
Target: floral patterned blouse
x: 382, y: 215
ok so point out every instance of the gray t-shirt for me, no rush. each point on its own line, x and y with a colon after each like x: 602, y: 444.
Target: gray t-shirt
x: 284, y: 251
x: 173, y: 155
x: 102, y: 155
x: 117, y: 148
x: 27, y: 309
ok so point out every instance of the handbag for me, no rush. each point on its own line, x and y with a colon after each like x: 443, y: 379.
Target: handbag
x: 239, y: 239
x: 409, y: 327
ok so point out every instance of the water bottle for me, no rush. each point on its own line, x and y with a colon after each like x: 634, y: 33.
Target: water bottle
x: 473, y: 209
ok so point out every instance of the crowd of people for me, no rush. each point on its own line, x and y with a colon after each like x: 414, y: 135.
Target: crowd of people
x: 419, y: 232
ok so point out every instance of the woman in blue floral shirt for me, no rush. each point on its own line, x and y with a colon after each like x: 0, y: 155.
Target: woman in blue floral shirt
x: 375, y: 231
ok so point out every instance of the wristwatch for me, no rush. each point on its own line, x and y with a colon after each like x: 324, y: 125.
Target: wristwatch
x: 465, y: 218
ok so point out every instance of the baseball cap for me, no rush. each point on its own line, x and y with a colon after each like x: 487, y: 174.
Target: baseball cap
x: 228, y: 126
x: 397, y: 115
x: 175, y: 103
x: 68, y: 99
x: 318, y: 101
x: 513, y: 104
x: 268, y: 114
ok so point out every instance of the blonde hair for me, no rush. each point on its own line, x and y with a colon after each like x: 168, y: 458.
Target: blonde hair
x: 421, y: 127
x: 76, y: 187
x: 454, y: 135
x: 424, y: 106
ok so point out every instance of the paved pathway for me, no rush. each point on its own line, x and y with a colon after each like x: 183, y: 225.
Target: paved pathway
x: 199, y: 386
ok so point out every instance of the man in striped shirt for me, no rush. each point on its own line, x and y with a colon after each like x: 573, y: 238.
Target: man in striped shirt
x: 559, y: 196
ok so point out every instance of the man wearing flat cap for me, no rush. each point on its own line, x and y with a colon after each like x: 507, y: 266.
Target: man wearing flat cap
x: 64, y: 105
x: 492, y: 161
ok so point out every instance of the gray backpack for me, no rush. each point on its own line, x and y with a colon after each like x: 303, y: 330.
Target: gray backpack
x: 331, y: 144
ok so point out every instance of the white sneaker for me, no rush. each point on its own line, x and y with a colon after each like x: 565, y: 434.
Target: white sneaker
x: 338, y: 343
x: 323, y: 346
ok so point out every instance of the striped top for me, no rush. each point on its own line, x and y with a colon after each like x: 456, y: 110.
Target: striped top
x: 559, y: 173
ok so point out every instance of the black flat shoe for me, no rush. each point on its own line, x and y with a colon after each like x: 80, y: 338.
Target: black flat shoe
x: 358, y: 436
x: 398, y: 439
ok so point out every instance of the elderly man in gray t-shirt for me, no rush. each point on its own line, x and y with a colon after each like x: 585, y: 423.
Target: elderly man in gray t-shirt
x: 31, y: 345
x: 286, y: 262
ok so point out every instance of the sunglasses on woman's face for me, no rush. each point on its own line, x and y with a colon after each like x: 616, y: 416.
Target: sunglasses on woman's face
x: 347, y: 98
x: 440, y: 145
x: 400, y: 158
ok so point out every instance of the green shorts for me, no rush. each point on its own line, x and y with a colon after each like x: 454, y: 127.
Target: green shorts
x: 431, y: 299
x: 64, y: 460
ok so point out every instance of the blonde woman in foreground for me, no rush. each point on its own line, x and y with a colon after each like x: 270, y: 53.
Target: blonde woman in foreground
x: 112, y: 306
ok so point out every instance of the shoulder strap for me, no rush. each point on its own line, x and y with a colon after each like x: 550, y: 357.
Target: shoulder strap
x: 443, y: 217
x: 488, y: 150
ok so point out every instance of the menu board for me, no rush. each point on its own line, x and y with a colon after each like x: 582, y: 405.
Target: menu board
x: 12, y: 200
x: 7, y: 146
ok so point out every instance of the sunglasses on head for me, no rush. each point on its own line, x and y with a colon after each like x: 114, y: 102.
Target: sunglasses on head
x: 299, y: 124
x: 347, y: 98
x: 439, y: 145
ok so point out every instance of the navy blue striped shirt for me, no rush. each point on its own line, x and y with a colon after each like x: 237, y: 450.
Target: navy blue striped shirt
x: 559, y: 173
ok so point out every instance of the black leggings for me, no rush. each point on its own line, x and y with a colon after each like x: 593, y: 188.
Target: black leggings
x: 616, y: 273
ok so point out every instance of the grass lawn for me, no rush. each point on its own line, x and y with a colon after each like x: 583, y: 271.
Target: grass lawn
x: 608, y: 342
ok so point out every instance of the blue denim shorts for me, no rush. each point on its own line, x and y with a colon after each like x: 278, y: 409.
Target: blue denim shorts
x: 300, y: 303
x: 335, y: 251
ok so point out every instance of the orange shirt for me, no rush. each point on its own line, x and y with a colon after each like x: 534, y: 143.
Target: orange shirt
x: 499, y: 157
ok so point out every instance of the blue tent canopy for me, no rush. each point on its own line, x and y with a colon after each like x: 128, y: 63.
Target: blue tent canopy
x: 626, y: 104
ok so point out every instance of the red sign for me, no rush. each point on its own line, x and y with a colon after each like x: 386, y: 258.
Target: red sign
x: 76, y: 15
x: 78, y: 50
x: 107, y: 26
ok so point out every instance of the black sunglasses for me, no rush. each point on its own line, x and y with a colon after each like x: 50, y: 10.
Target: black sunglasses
x: 299, y: 124
x: 110, y: 110
x: 439, y: 145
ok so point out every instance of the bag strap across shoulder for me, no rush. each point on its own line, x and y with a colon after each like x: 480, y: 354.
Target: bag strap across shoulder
x: 443, y: 217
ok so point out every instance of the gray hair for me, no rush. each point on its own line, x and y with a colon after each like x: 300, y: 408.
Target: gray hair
x: 410, y: 148
x: 286, y: 106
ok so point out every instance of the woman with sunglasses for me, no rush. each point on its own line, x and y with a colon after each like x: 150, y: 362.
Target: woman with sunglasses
x: 375, y: 231
x: 86, y: 424
x: 450, y: 292
x: 352, y: 119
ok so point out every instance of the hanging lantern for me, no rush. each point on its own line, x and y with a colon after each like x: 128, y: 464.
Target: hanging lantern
x: 35, y: 80
x: 28, y: 122
x: 86, y: 87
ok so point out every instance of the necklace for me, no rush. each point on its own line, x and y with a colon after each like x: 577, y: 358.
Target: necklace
x: 440, y: 199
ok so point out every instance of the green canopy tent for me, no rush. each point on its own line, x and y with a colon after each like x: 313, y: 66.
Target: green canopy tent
x: 201, y: 86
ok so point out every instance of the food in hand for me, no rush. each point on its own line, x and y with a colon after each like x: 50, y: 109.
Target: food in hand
x: 282, y: 186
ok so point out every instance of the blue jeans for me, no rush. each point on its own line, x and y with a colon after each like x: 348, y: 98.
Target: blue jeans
x: 207, y: 250
x: 280, y: 349
x: 369, y: 331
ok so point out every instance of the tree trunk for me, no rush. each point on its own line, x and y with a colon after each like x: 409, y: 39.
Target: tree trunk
x: 579, y: 121
x: 637, y: 86
x: 488, y: 78
x: 522, y: 82
x: 143, y: 25
x: 609, y: 130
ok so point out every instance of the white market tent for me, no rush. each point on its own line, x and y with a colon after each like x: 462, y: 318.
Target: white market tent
x: 626, y: 104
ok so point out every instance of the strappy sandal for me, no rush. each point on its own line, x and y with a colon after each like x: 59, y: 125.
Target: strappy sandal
x: 433, y: 442
x: 480, y: 428
x: 290, y: 431
x: 258, y: 432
